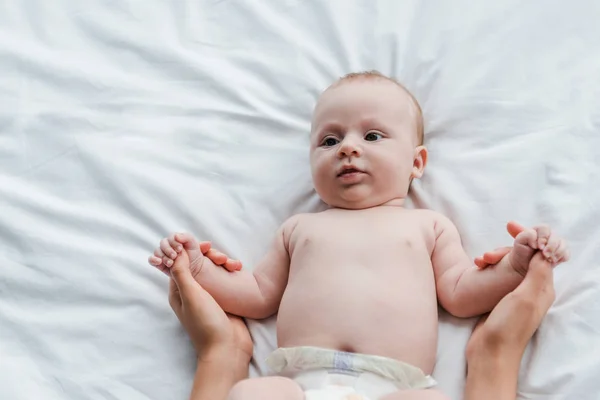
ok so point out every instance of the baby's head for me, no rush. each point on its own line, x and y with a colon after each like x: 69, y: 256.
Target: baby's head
x: 366, y: 142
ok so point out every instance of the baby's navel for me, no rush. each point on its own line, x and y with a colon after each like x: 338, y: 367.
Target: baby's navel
x: 347, y: 349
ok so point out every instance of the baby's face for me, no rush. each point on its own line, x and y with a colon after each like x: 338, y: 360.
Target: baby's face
x: 364, y: 148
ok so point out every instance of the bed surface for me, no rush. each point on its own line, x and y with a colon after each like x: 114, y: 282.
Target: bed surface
x: 121, y: 121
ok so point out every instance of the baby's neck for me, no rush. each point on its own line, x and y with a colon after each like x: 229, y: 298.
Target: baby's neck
x: 394, y: 203
x: 397, y: 202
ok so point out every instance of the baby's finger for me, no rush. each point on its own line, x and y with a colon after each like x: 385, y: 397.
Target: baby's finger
x: 567, y: 255
x: 480, y: 263
x: 216, y: 257
x: 174, y: 243
x: 158, y: 253
x: 514, y: 228
x: 238, y: 265
x: 167, y: 261
x: 543, y: 233
x: 527, y: 238
x: 561, y: 254
x: 550, y: 248
x: 205, y: 247
x: 187, y: 240
x: 232, y: 265
x: 495, y: 256
x: 167, y: 249
x: 154, y: 261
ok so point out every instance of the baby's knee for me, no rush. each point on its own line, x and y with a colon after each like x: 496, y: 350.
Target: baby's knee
x: 272, y: 387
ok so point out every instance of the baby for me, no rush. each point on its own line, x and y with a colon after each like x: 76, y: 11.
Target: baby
x: 357, y: 287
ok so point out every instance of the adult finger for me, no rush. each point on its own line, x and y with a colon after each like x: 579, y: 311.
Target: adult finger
x: 514, y: 228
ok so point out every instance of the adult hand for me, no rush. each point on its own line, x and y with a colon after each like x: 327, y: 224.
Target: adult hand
x: 212, y: 331
x: 513, y: 321
x: 498, y: 342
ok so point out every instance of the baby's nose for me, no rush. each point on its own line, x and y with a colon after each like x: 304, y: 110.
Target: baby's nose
x: 350, y: 147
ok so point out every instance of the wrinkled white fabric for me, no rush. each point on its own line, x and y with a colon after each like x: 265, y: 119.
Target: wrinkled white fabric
x: 121, y: 121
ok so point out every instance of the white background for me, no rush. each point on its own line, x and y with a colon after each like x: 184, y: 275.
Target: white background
x: 121, y: 121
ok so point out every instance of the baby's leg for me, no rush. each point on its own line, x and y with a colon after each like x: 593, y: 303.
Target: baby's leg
x: 424, y: 394
x: 271, y: 387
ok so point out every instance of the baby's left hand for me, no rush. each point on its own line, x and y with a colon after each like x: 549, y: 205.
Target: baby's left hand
x: 527, y: 242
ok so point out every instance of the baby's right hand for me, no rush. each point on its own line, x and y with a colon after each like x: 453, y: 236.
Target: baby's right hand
x: 169, y: 248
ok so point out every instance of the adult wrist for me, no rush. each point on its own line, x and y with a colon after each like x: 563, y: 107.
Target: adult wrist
x: 215, y: 352
x: 492, y: 375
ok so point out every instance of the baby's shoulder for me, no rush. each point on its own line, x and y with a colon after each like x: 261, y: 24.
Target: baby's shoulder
x: 291, y: 228
x: 290, y: 224
x: 434, y: 219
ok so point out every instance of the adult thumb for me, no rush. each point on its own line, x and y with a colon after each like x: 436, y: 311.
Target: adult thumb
x: 181, y: 274
x: 194, y: 298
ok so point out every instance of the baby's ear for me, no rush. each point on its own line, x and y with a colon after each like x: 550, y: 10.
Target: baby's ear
x: 419, y: 162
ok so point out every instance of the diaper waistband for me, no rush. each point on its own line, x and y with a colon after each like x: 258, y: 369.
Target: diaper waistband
x: 296, y: 359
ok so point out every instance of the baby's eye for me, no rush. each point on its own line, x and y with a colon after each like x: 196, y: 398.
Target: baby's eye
x: 329, y: 142
x: 373, y: 136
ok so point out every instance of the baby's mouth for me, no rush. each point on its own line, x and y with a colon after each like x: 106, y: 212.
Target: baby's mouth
x: 348, y: 171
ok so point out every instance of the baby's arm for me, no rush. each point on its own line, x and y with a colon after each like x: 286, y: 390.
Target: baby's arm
x: 252, y: 294
x: 463, y: 289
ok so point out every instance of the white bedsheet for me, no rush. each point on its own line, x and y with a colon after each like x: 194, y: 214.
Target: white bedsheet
x: 121, y: 121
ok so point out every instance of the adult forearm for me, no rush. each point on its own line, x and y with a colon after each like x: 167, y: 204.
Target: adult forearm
x: 213, y: 380
x: 476, y: 291
x: 491, y: 378
x: 236, y: 292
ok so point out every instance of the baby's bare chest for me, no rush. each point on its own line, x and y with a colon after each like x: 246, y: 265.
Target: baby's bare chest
x: 361, y: 238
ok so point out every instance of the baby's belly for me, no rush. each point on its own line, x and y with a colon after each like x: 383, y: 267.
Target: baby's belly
x: 362, y: 311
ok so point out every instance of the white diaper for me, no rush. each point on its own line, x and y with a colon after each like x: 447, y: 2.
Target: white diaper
x: 326, y: 374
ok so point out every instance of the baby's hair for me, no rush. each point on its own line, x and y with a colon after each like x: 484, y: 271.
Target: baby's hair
x: 373, y: 74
